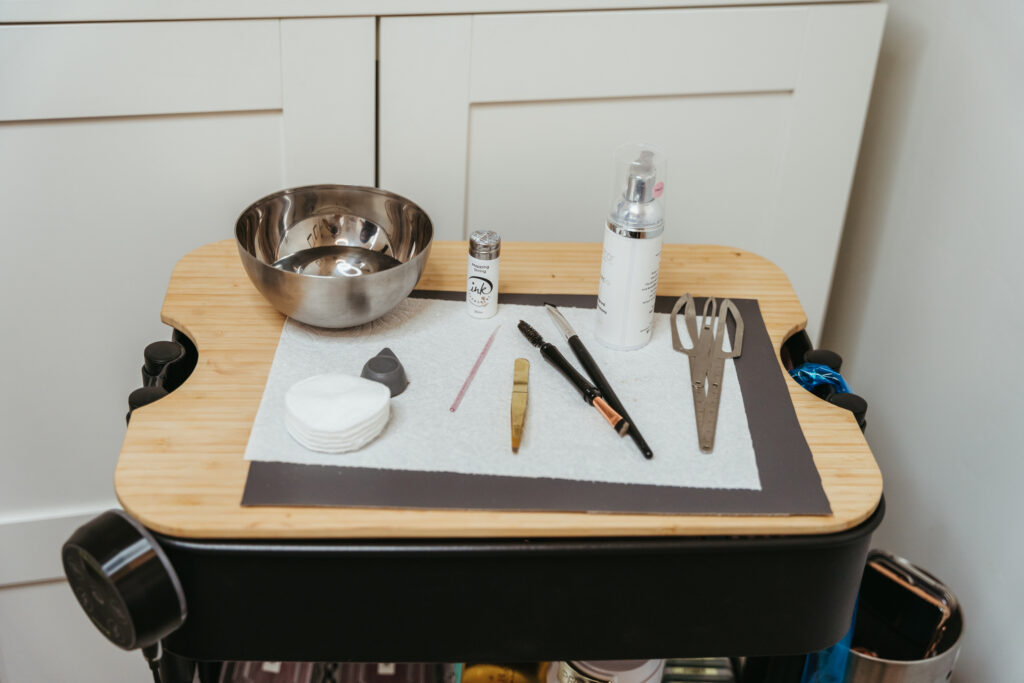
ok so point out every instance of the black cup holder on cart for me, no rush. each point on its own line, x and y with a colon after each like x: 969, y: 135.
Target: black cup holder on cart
x: 799, y: 349
x: 166, y: 365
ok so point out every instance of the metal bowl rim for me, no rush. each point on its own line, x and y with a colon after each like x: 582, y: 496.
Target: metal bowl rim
x: 329, y: 186
x: 340, y: 278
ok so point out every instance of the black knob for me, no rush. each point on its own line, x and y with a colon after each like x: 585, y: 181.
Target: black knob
x: 179, y: 371
x: 852, y: 402
x: 824, y: 391
x: 160, y: 354
x: 143, y: 396
x: 824, y: 357
x: 123, y: 580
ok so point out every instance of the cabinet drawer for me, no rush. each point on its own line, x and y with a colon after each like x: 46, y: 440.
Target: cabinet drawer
x: 131, y: 69
x: 523, y: 57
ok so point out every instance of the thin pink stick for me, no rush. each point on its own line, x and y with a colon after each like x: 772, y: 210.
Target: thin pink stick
x: 476, y: 366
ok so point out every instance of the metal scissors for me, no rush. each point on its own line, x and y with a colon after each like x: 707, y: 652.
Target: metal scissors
x: 707, y: 357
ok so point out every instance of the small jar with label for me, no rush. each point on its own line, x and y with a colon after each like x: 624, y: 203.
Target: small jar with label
x: 482, y: 274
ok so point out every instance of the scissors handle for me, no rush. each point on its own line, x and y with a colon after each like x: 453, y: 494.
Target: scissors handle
x: 685, y: 304
x: 724, y: 310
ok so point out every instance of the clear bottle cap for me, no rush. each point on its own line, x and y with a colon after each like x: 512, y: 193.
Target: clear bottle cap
x: 639, y: 174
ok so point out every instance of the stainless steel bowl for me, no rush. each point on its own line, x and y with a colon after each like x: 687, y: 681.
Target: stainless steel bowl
x: 334, y: 255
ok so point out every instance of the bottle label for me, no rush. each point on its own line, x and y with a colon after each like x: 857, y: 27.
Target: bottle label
x: 629, y: 285
x: 482, y: 287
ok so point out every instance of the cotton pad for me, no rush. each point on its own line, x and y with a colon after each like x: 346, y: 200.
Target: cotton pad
x: 335, y: 413
x: 321, y: 441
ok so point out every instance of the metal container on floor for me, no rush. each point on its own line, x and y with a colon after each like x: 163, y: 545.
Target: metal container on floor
x: 861, y: 668
x: 938, y: 668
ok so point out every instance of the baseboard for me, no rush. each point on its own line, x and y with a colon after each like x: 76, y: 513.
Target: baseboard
x: 30, y: 543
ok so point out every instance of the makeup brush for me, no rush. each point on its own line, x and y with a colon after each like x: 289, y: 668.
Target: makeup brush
x: 596, y: 376
x: 590, y: 393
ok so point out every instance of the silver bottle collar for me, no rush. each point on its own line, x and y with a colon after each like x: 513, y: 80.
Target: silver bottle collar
x: 639, y: 233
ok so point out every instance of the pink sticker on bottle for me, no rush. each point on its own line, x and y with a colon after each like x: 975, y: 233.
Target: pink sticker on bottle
x: 658, y: 189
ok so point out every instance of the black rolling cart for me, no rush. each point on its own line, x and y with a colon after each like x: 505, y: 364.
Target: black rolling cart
x: 195, y: 578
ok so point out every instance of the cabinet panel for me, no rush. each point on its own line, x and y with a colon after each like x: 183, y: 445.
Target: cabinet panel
x: 97, y: 212
x: 622, y: 54
x: 87, y: 70
x: 329, y: 81
x: 161, y: 10
x: 759, y: 109
x: 542, y: 170
x: 424, y: 115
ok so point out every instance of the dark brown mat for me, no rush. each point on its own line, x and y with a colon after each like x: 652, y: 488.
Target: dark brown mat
x: 790, y: 484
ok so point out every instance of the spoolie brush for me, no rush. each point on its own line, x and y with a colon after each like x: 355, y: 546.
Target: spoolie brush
x: 590, y: 393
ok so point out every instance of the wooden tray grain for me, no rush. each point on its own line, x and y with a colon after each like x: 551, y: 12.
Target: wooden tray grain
x: 181, y: 471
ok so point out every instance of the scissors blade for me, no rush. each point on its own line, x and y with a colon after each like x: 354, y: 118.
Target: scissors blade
x: 716, y: 372
x: 700, y: 367
x: 687, y: 306
x: 709, y: 421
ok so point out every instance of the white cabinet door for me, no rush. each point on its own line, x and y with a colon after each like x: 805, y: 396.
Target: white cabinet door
x: 508, y: 122
x: 122, y: 147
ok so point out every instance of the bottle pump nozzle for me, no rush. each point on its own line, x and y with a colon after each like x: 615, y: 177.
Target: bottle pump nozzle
x: 640, y: 182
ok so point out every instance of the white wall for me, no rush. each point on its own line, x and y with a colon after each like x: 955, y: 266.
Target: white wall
x: 926, y: 307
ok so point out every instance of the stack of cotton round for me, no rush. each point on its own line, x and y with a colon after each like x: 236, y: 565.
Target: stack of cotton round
x: 335, y: 413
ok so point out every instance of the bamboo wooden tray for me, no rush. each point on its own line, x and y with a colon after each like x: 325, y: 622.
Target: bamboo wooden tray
x: 181, y: 471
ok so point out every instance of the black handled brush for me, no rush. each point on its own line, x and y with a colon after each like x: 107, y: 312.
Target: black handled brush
x: 590, y: 393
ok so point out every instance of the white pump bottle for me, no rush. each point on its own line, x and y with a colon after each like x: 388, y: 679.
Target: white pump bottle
x: 632, y: 250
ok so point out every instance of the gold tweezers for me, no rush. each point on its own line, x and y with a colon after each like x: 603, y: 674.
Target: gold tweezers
x: 520, y: 380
